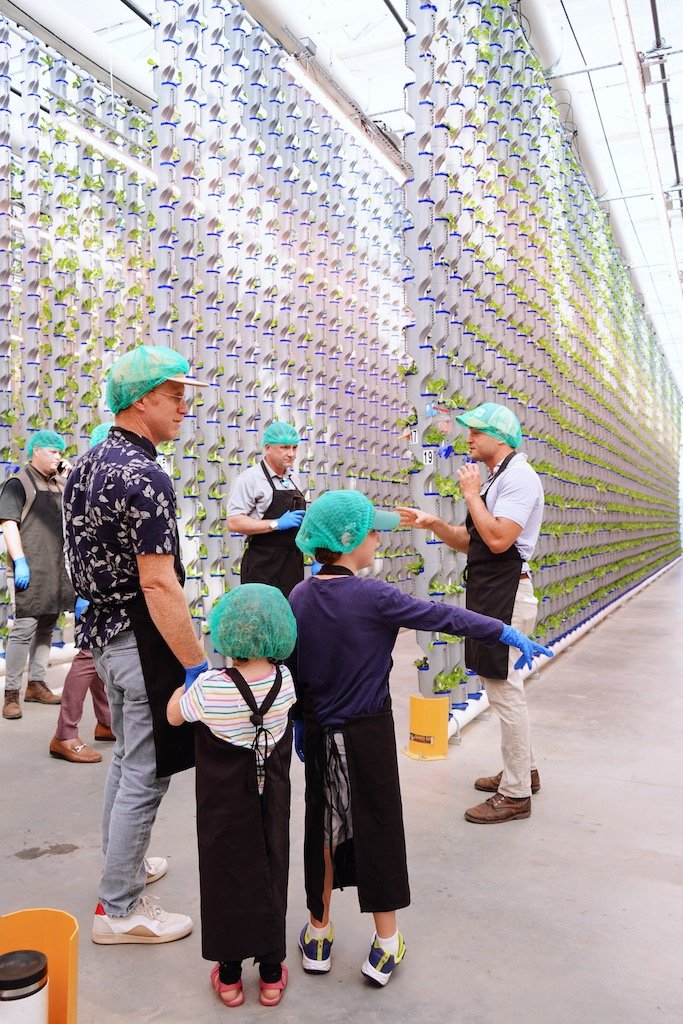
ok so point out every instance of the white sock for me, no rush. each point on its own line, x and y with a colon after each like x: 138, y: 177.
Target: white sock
x: 390, y: 944
x: 320, y: 933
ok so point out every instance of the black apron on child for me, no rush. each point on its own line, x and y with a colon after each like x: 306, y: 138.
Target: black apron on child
x: 492, y: 582
x: 374, y: 858
x: 274, y: 558
x: 243, y: 840
x: 50, y: 591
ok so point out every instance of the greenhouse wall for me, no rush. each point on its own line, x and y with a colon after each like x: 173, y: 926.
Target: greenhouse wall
x: 520, y: 296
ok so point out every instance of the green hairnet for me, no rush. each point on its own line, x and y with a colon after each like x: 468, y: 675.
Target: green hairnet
x: 253, y: 621
x: 99, y: 433
x: 340, y: 521
x: 280, y: 433
x: 496, y: 420
x: 45, y: 439
x: 141, y: 370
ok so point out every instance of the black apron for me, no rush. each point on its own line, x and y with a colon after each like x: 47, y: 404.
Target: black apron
x: 243, y: 843
x: 492, y: 582
x: 274, y: 558
x: 42, y: 539
x: 374, y: 859
x: 163, y: 674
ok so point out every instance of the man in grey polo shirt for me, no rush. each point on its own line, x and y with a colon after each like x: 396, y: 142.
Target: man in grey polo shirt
x: 267, y: 507
x: 499, y: 535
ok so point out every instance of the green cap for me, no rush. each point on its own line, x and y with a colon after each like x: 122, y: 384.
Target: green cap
x: 495, y: 420
x: 141, y: 370
x: 340, y: 521
x: 253, y: 621
x: 45, y: 439
x: 99, y: 433
x: 280, y: 433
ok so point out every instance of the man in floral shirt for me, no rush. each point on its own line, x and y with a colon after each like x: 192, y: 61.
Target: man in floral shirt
x: 123, y: 550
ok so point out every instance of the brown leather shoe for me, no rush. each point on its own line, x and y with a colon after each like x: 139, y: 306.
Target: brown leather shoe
x: 490, y: 783
x: 103, y: 732
x: 37, y: 691
x: 499, y: 808
x: 11, y: 707
x: 75, y: 751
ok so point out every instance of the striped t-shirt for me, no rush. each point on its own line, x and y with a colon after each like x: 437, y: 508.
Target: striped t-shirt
x: 214, y: 700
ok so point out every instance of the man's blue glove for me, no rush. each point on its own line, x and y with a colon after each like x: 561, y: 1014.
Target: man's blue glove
x: 22, y: 574
x: 315, y: 567
x: 529, y: 648
x: 290, y: 520
x: 299, y: 738
x: 81, y: 606
x: 192, y: 673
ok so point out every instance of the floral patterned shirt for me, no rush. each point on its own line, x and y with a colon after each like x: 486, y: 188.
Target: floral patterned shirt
x: 118, y: 503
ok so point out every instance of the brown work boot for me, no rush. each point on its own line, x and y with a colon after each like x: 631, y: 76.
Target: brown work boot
x: 11, y: 708
x: 499, y: 808
x: 490, y: 783
x: 37, y: 691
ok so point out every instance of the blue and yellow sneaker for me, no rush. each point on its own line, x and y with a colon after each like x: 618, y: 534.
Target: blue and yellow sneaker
x: 316, y: 953
x: 380, y: 963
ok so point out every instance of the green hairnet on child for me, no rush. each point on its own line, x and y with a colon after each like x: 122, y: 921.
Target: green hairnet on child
x: 45, y: 439
x: 253, y: 621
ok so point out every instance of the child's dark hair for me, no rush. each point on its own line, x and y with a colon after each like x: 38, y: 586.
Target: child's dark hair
x: 327, y: 557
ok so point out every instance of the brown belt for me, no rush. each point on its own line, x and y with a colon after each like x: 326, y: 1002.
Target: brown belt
x: 524, y: 576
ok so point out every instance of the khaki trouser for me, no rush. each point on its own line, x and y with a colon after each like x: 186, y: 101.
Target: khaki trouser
x: 507, y: 698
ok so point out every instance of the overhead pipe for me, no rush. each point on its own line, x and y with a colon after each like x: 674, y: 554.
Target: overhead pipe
x: 51, y: 24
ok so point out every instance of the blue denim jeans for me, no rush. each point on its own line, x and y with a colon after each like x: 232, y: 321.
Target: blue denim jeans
x: 30, y: 639
x: 133, y: 792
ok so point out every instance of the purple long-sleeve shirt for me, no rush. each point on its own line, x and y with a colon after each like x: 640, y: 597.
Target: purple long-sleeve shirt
x: 346, y: 631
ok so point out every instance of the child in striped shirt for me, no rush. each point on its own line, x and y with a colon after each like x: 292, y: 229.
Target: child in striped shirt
x: 243, y: 743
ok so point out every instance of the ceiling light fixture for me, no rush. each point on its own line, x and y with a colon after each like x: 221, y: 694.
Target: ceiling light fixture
x: 296, y: 71
x: 105, y: 149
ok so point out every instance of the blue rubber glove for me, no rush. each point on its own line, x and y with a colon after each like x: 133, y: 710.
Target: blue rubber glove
x: 290, y: 520
x: 22, y: 574
x: 81, y: 606
x: 529, y: 648
x: 192, y: 673
x: 315, y: 567
x: 299, y: 738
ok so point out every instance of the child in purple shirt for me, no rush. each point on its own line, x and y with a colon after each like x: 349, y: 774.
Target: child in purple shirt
x: 347, y: 627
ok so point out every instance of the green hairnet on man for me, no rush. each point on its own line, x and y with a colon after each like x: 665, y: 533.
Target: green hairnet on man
x: 504, y: 516
x: 266, y: 506
x: 31, y: 521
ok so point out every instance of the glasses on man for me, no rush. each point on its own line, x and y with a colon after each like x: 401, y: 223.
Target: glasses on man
x: 185, y: 400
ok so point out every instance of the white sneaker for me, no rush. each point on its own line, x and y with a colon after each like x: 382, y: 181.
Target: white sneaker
x: 155, y: 868
x: 147, y: 923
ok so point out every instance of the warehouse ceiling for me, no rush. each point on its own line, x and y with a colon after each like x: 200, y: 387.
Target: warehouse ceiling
x: 615, y: 66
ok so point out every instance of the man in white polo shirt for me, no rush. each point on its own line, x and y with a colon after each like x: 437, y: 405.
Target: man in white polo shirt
x: 267, y: 507
x: 503, y: 521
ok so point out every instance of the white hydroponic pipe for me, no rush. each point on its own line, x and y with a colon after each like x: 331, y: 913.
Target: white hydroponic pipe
x: 459, y: 718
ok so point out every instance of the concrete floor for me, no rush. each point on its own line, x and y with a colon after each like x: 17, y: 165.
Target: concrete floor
x: 574, y: 914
